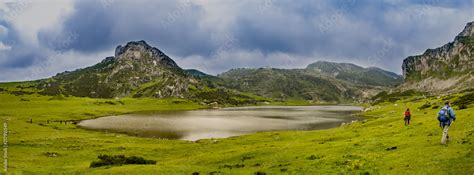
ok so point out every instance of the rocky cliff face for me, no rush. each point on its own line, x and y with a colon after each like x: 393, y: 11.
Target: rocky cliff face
x: 449, y: 67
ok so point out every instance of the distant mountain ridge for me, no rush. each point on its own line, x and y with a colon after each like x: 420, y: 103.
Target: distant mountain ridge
x: 284, y: 84
x: 447, y: 68
x: 356, y: 74
x: 320, y: 81
x: 140, y: 70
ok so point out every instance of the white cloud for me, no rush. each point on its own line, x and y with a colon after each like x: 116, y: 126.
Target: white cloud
x: 426, y: 26
x: 54, y: 62
x: 4, y: 47
x: 28, y: 17
x: 3, y: 31
x: 240, y: 33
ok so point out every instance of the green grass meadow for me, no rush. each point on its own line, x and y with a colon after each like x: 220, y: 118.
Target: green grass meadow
x: 380, y: 144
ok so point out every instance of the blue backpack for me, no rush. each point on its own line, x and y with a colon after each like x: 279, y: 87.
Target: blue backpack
x: 443, y: 115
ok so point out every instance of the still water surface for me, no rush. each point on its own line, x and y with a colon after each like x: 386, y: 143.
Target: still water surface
x: 221, y: 123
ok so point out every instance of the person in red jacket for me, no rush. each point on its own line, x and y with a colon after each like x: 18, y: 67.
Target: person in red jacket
x: 407, y: 117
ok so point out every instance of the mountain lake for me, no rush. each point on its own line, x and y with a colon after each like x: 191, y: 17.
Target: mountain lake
x: 226, y: 122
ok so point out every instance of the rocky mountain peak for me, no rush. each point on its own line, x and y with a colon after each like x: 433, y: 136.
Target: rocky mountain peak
x: 124, y: 74
x: 141, y: 50
x: 468, y: 30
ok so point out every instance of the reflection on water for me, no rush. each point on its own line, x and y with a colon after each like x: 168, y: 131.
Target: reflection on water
x: 221, y: 123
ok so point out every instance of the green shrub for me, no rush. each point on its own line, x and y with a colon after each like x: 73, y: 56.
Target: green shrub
x: 18, y: 93
x: 108, y: 102
x: 463, y: 101
x: 393, y: 99
x: 424, y: 106
x: 395, y: 96
x: 118, y: 160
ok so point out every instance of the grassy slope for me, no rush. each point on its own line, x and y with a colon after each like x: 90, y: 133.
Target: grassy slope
x: 356, y: 148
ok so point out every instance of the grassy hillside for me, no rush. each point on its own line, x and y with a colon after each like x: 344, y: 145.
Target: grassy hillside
x: 320, y: 81
x: 287, y: 84
x: 379, y: 145
x: 372, y: 76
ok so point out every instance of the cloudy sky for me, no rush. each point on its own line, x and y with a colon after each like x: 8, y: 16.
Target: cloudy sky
x: 39, y: 38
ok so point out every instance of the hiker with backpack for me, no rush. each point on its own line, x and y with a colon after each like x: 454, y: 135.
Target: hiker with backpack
x: 407, y: 117
x: 446, y: 117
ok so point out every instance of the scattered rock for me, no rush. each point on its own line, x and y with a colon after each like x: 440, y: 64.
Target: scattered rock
x: 214, y: 104
x: 51, y: 154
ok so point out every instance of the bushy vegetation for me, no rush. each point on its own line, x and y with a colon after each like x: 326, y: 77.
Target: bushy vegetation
x: 224, y: 96
x: 395, y: 96
x: 118, y: 160
x: 466, y: 40
x: 463, y: 101
x: 424, y: 106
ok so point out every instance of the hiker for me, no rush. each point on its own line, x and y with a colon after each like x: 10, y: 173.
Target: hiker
x: 446, y: 117
x: 407, y: 117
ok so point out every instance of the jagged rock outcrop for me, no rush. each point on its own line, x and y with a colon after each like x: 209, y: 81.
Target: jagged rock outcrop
x: 134, y: 50
x: 447, y: 68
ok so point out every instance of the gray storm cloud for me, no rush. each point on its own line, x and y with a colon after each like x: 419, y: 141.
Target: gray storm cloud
x: 214, y: 36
